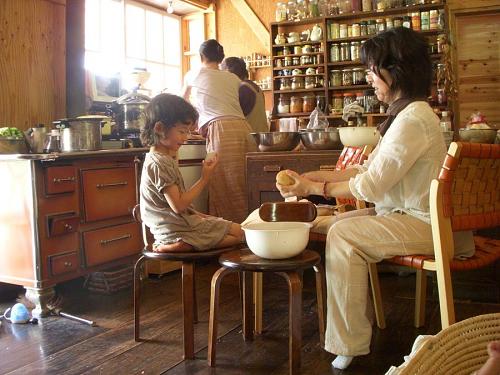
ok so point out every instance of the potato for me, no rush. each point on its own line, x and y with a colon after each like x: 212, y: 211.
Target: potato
x: 284, y: 179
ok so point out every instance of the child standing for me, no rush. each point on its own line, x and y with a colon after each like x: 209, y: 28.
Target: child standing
x: 165, y: 203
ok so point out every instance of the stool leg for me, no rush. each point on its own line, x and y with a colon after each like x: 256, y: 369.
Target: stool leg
x: 137, y: 295
x: 214, y: 311
x: 295, y: 319
x: 377, y: 295
x: 195, y: 299
x: 257, y: 290
x: 321, y: 299
x: 187, y: 308
x: 247, y: 306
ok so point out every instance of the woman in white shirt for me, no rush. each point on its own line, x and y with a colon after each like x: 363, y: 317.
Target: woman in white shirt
x: 214, y: 93
x: 396, y: 178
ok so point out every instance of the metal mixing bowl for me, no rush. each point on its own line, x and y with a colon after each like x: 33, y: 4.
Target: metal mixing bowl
x: 321, y: 139
x: 276, y: 141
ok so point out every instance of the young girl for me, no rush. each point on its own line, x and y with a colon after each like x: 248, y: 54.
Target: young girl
x: 165, y: 203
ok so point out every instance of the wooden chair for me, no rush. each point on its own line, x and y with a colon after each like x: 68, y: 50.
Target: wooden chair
x: 290, y: 269
x: 189, y: 304
x: 465, y: 196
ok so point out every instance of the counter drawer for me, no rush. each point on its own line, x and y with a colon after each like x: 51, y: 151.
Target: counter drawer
x: 63, y: 263
x: 60, y: 179
x: 62, y: 223
x: 108, y: 244
x: 108, y: 193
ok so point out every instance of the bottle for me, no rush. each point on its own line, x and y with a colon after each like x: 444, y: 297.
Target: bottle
x: 445, y: 123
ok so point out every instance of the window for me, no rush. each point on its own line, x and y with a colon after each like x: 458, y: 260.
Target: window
x: 123, y: 36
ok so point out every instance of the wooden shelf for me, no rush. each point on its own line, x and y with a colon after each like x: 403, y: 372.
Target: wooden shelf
x: 349, y: 62
x: 390, y: 11
x: 300, y: 75
x: 350, y: 87
x: 290, y: 114
x: 298, y: 66
x: 259, y: 66
x: 297, y: 43
x: 297, y: 55
x: 298, y: 90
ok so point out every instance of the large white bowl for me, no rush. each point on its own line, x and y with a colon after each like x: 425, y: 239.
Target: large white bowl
x: 277, y: 240
x: 359, y: 136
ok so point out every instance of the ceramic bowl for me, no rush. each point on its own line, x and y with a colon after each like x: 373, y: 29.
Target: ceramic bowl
x: 477, y: 135
x: 277, y: 240
x: 359, y: 136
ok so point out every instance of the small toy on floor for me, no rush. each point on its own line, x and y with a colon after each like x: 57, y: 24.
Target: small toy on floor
x: 19, y: 314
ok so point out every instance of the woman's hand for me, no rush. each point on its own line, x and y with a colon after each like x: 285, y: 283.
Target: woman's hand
x: 302, y: 186
x: 209, y: 167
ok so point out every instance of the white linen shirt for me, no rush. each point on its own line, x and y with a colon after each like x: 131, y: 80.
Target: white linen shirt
x: 398, y: 173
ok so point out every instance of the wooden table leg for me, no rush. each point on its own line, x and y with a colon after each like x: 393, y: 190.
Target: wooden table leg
x: 137, y: 295
x: 295, y: 319
x: 257, y: 296
x: 195, y: 299
x: 321, y: 301
x: 187, y: 308
x: 247, y: 306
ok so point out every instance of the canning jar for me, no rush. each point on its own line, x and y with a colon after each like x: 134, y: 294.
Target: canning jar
x: 388, y: 23
x: 285, y: 84
x: 308, y: 103
x: 415, y: 21
x: 283, y: 105
x: 302, y: 11
x: 349, y: 98
x: 345, y: 52
x: 280, y: 13
x: 291, y: 10
x: 366, y: 5
x: 356, y: 29
x: 310, y: 82
x: 335, y: 31
x: 360, y: 98
x: 346, y: 77
x: 380, y: 25
x: 295, y: 104
x: 397, y: 21
x: 337, y: 103
x: 343, y: 30
x: 335, y: 78
x: 295, y: 60
x: 358, y: 76
x: 334, y: 53
x: 424, y: 20
x: 355, y: 51
x: 433, y: 19
x: 363, y: 29
x: 287, y: 61
x: 370, y: 101
x: 371, y: 27
x: 313, y: 8
x: 297, y: 83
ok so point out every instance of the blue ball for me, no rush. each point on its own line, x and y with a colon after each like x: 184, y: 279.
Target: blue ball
x: 19, y: 314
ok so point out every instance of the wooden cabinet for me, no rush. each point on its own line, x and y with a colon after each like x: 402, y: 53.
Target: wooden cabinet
x: 332, y: 64
x: 66, y: 215
x: 262, y: 167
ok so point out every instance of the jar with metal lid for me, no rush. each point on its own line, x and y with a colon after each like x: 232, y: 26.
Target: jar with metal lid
x: 356, y: 29
x: 380, y: 25
x: 370, y: 101
x: 287, y: 61
x: 286, y: 51
x: 297, y: 83
x: 280, y: 13
x: 346, y: 77
x: 360, y: 98
x: 335, y: 78
x: 308, y: 103
x: 335, y: 31
x: 305, y: 59
x: 285, y: 84
x: 310, y: 82
x: 337, y: 103
x: 291, y: 10
x: 349, y: 31
x: 345, y: 51
x: 424, y: 20
x: 415, y: 21
x: 358, y: 76
x: 335, y: 53
x: 295, y: 104
x: 389, y: 24
x: 349, y: 98
x: 283, y: 105
x: 363, y: 29
x: 343, y: 30
x: 366, y: 5
x: 371, y: 27
x: 397, y: 21
x: 355, y: 51
x: 433, y: 19
x: 295, y: 60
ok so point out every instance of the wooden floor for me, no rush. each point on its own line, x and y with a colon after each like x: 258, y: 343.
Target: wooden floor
x: 61, y: 346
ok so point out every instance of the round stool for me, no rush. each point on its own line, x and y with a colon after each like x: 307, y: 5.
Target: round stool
x: 291, y: 270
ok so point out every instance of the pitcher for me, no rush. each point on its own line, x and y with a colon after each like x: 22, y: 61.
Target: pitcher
x: 36, y: 138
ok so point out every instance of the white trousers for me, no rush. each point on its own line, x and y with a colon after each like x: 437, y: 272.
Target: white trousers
x: 351, y: 244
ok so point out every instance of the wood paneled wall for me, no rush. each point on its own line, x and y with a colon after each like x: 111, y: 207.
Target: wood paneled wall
x: 32, y: 62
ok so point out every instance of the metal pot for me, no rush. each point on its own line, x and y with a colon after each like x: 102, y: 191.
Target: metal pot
x: 80, y: 134
x: 129, y: 111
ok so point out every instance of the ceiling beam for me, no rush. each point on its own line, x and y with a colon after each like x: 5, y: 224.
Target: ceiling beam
x: 253, y: 21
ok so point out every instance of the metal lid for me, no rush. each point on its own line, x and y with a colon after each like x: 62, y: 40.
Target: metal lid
x: 133, y: 98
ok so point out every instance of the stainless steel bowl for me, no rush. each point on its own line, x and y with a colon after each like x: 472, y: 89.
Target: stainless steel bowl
x: 477, y: 135
x: 321, y: 139
x: 276, y: 141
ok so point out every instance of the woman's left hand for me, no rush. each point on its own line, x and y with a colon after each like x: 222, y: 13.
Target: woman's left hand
x: 302, y: 186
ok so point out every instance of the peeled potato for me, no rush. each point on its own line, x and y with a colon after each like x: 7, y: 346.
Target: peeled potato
x: 284, y: 179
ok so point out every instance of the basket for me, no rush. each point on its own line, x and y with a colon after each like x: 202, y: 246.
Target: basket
x: 110, y: 281
x: 13, y: 146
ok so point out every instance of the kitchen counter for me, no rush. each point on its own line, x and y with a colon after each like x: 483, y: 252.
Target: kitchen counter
x: 75, y: 155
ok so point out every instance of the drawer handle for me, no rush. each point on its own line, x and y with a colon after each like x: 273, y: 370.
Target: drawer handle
x: 100, y: 186
x: 68, y: 264
x: 63, y: 179
x: 272, y: 168
x: 68, y: 227
x: 327, y: 167
x: 105, y: 242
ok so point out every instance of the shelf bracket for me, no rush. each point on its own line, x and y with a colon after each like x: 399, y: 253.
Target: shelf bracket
x: 253, y: 21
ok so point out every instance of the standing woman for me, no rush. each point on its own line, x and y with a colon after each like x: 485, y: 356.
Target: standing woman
x: 214, y: 93
x: 396, y: 178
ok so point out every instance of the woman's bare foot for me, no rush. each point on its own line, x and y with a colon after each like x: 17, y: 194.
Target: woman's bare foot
x: 175, y: 247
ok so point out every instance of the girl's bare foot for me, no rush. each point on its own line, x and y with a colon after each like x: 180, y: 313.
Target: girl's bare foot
x: 175, y: 247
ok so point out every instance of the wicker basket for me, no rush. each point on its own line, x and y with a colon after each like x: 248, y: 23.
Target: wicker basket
x: 110, y: 281
x: 459, y: 349
x: 13, y: 146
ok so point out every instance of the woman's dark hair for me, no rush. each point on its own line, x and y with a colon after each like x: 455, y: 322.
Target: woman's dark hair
x: 212, y: 51
x: 404, y: 54
x: 236, y: 66
x: 169, y: 110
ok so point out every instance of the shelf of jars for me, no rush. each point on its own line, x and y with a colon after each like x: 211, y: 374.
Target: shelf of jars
x: 292, y: 91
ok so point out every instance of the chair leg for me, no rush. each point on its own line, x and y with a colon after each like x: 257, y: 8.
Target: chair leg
x: 321, y: 299
x: 188, y: 308
x: 137, y: 295
x: 445, y: 290
x: 257, y: 288
x: 294, y: 281
x: 214, y: 312
x: 195, y: 299
x: 377, y: 295
x: 247, y: 306
x: 420, y: 298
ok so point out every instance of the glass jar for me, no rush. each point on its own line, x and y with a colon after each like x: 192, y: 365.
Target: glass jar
x: 370, y: 101
x: 313, y: 8
x: 371, y: 27
x: 335, y: 78
x: 308, y: 103
x: 363, y: 29
x: 343, y: 30
x: 424, y: 20
x: 295, y: 104
x: 360, y: 98
x: 346, y: 77
x: 366, y: 5
x: 397, y: 21
x: 345, y: 6
x: 337, y: 103
x: 349, y: 31
x: 287, y: 61
x: 433, y: 19
x: 334, y: 31
x: 334, y: 53
x: 355, y: 51
x: 285, y: 84
x: 345, y: 51
x: 380, y: 25
x: 415, y: 21
x: 310, y: 82
x: 283, y: 105
x: 295, y: 60
x: 349, y: 98
x: 356, y: 30
x: 291, y: 10
x: 407, y: 22
x: 302, y: 11
x: 380, y: 5
x: 280, y: 13
x: 297, y: 83
x: 358, y: 76
x: 388, y: 23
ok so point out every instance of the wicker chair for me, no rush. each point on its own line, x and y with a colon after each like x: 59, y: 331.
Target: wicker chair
x: 459, y: 349
x: 466, y: 196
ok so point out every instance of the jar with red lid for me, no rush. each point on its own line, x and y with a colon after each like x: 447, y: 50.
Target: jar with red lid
x: 308, y: 103
x: 349, y: 98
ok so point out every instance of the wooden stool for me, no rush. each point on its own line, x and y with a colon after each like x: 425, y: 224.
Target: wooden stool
x: 291, y: 270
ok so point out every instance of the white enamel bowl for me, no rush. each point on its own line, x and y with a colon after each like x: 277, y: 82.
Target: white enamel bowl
x: 358, y: 136
x: 277, y: 240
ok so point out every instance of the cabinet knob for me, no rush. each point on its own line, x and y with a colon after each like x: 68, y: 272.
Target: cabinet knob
x: 68, y: 264
x: 272, y: 168
x: 68, y: 227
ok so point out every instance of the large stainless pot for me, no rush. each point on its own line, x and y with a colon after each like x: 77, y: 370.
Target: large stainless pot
x: 80, y: 134
x: 129, y: 110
